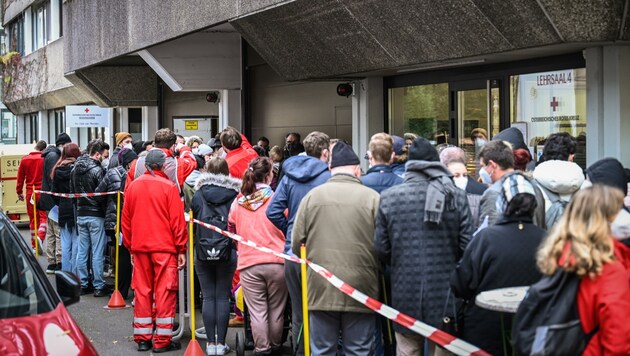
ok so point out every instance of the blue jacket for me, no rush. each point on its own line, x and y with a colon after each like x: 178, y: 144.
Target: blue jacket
x: 398, y: 169
x: 380, y: 177
x: 301, y: 174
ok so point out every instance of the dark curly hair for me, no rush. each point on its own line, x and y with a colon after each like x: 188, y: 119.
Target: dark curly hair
x: 559, y: 146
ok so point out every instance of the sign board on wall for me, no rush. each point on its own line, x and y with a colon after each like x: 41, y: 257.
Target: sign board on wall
x: 548, y: 103
x: 87, y: 116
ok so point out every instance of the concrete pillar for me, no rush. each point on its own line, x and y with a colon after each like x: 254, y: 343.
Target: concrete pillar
x: 607, y: 104
x: 42, y: 126
x: 149, y: 122
x: 20, y: 122
x: 367, y: 114
x: 230, y: 109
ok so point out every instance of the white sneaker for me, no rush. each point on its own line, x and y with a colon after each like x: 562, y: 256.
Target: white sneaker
x: 222, y: 349
x: 211, y: 350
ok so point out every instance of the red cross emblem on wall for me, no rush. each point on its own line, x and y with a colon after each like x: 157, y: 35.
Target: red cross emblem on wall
x: 88, y: 110
x: 554, y: 103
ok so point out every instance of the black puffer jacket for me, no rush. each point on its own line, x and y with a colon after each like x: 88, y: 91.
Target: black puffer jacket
x: 114, y: 181
x: 422, y: 255
x: 213, y: 197
x: 61, y: 184
x: 500, y: 256
x: 50, y: 155
x: 86, y: 176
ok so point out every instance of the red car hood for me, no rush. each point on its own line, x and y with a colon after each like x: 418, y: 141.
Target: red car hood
x: 52, y: 333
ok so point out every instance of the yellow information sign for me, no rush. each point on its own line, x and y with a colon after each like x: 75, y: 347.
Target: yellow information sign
x: 191, y: 124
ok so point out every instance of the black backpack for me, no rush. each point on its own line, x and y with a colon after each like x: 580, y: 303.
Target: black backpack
x: 547, y: 321
x: 213, y: 246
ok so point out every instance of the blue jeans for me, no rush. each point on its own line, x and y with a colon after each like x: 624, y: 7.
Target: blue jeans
x: 69, y: 248
x: 91, y: 239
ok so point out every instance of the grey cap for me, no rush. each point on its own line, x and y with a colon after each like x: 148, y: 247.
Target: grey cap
x: 155, y: 157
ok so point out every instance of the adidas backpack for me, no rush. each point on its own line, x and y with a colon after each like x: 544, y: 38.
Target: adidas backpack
x: 213, y: 246
x: 547, y: 320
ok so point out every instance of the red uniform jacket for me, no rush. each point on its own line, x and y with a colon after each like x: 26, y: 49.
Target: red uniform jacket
x: 153, y: 216
x: 238, y: 159
x: 605, y: 301
x: 186, y: 164
x: 30, y: 170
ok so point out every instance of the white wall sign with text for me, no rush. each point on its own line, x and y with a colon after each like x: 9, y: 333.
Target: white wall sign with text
x: 87, y: 116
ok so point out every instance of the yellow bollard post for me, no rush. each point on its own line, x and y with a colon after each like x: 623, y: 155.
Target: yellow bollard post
x: 193, y: 349
x: 117, y: 301
x: 191, y: 277
x: 117, y: 240
x: 35, y: 228
x: 307, y: 335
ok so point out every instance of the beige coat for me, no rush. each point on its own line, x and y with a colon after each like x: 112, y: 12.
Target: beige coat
x: 336, y: 222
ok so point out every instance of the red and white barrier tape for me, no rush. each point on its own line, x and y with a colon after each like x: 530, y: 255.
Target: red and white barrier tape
x: 74, y: 195
x: 446, y: 340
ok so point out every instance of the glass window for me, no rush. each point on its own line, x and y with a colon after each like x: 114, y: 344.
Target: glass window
x: 40, y: 37
x: 15, y: 36
x: 549, y: 102
x: 421, y: 109
x: 8, y: 127
x: 135, y: 123
x: 33, y: 125
x: 21, y: 292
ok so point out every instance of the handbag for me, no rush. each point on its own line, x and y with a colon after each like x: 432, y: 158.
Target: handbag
x: 449, y: 319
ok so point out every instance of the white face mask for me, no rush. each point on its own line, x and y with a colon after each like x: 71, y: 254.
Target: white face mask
x: 480, y: 142
x: 620, y: 227
x: 461, y: 182
x: 129, y: 146
x: 105, y: 163
x: 485, y: 176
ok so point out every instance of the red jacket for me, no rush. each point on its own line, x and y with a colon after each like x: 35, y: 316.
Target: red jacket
x: 186, y: 164
x: 238, y: 159
x: 153, y: 216
x: 605, y: 301
x: 30, y: 170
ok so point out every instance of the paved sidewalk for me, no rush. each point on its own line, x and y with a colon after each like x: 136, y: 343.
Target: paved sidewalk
x: 111, y: 330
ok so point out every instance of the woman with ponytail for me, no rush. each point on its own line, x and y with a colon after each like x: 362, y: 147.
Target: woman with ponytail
x: 61, y: 183
x: 262, y: 274
x: 581, y: 243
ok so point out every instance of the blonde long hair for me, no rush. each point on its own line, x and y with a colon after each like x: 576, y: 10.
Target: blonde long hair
x: 585, y: 228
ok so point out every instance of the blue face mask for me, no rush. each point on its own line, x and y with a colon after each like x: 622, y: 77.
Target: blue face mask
x: 485, y: 176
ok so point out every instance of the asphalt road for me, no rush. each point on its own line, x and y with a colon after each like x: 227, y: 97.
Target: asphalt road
x: 111, y: 331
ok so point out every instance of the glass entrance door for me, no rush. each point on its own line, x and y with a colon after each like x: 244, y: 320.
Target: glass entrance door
x: 475, y: 107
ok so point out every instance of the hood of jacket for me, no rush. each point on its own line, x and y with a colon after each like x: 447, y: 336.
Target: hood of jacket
x: 84, y: 164
x: 217, y: 188
x: 512, y: 135
x: 303, y: 168
x: 191, y: 180
x: 50, y: 149
x: 560, y: 177
x: 608, y: 171
x: 64, y: 173
x: 425, y: 169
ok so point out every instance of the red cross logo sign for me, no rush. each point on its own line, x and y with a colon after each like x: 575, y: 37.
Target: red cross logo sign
x: 88, y: 110
x: 554, y: 103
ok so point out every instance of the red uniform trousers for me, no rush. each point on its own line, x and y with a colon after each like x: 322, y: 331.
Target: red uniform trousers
x: 42, y: 218
x: 154, y: 273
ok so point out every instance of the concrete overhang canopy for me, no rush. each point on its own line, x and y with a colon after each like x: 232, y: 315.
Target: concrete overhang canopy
x: 202, y: 61
x: 310, y: 40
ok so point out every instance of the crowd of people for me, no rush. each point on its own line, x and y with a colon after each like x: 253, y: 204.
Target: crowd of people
x: 418, y: 230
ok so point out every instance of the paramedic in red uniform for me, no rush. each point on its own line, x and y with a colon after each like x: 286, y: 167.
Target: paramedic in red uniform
x: 154, y: 231
x: 176, y: 167
x: 30, y: 173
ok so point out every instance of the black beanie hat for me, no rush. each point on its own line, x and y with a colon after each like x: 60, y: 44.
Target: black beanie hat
x: 343, y: 155
x: 422, y: 150
x: 62, y: 139
x: 126, y: 156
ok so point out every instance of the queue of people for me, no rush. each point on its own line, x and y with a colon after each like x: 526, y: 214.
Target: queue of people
x: 416, y: 230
